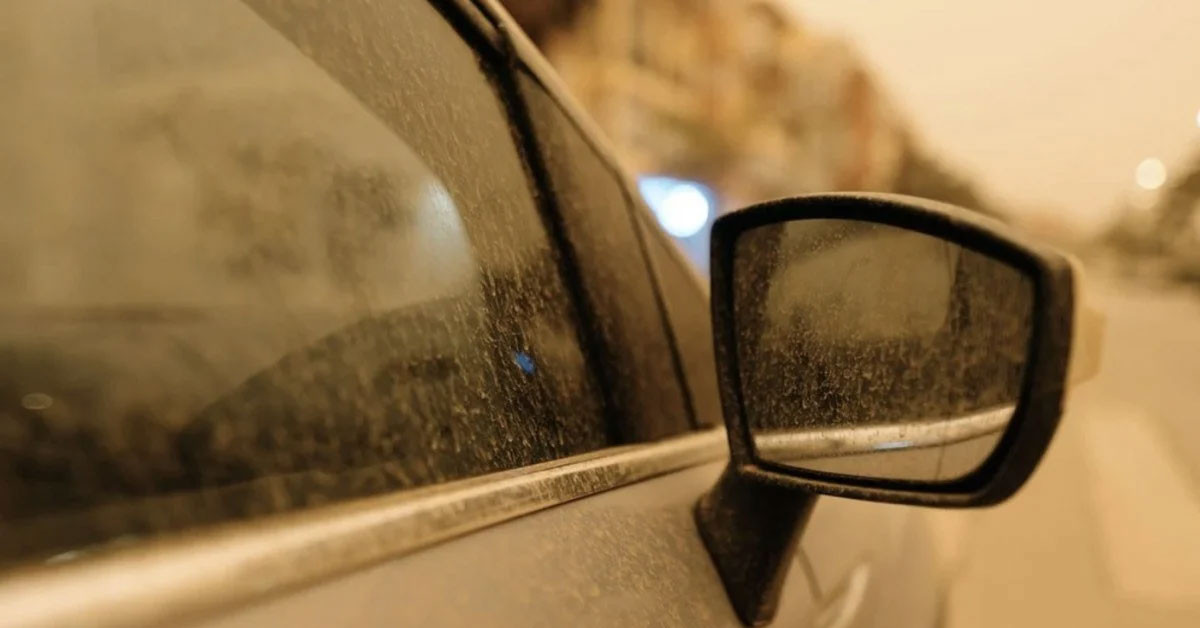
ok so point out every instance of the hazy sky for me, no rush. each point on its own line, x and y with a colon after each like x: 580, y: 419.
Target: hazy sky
x: 1050, y: 104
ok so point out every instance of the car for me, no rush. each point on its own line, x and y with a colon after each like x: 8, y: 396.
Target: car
x: 325, y: 313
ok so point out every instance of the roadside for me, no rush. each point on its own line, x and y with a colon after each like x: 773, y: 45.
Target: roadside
x: 1107, y: 532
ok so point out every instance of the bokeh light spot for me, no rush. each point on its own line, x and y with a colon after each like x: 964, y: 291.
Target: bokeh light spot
x: 682, y: 207
x: 1151, y: 174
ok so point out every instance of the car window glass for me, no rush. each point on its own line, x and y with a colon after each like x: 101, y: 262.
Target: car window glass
x: 243, y: 272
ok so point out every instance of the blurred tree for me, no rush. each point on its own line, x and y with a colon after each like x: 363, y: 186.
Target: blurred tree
x: 1177, y: 208
x: 737, y: 94
x: 919, y: 174
x: 1163, y: 238
x: 1177, y: 231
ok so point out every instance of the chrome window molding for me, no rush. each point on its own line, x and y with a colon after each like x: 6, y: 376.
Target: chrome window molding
x: 191, y: 575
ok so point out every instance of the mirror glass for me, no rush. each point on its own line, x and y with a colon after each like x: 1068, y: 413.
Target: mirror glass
x: 874, y: 351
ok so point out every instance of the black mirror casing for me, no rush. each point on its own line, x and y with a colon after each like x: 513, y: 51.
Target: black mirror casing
x: 752, y: 518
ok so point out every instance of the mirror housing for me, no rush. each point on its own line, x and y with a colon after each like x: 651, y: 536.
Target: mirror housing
x: 751, y: 520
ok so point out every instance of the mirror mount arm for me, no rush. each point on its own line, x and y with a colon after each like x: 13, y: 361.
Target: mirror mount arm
x: 750, y: 526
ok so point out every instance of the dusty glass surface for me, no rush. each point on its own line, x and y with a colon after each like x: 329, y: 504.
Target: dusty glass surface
x: 869, y: 350
x: 253, y: 261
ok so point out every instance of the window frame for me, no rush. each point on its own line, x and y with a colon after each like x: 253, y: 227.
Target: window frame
x: 524, y: 57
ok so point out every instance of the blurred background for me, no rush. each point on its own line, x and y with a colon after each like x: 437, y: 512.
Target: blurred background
x: 1076, y: 121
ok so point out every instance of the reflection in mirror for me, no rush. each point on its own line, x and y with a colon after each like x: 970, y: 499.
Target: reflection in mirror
x: 873, y: 351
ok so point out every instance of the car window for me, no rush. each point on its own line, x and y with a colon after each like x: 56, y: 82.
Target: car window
x: 641, y: 366
x: 687, y: 307
x: 264, y: 256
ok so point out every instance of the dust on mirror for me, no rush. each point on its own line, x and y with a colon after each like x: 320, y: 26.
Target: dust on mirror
x: 874, y: 351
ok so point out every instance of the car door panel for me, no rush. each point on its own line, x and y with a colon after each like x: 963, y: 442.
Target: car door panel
x: 631, y: 557
x: 883, y: 550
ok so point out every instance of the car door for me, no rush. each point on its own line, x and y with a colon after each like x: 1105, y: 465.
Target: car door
x: 327, y: 297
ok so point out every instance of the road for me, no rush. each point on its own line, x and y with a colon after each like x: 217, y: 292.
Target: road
x: 1107, y: 531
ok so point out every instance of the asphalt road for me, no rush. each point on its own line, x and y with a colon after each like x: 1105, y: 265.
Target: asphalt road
x: 1107, y: 532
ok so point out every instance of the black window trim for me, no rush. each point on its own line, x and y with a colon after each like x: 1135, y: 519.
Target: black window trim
x: 523, y: 56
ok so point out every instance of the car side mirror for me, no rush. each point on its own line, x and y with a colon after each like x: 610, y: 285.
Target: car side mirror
x: 874, y: 347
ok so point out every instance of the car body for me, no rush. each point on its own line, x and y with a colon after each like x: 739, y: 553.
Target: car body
x: 503, y: 416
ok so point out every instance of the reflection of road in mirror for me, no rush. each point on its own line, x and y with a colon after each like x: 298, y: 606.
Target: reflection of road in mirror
x: 941, y: 450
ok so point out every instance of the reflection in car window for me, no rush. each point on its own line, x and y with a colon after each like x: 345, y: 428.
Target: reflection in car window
x: 232, y: 286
